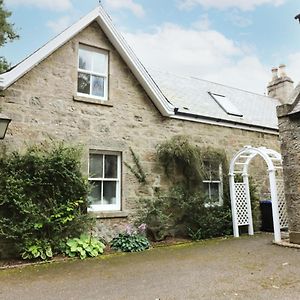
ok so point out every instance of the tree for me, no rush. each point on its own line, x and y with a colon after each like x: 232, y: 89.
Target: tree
x: 7, y: 34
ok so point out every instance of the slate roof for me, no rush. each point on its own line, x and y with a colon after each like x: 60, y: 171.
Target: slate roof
x: 191, y: 96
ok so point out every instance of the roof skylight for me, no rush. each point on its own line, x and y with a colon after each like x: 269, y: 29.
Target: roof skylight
x: 226, y: 104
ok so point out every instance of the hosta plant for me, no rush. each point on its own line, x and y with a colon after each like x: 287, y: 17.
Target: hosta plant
x: 85, y: 246
x: 131, y: 240
x: 38, y: 250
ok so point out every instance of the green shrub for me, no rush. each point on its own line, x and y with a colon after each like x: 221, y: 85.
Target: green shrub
x: 185, y: 210
x: 42, y: 196
x: 39, y: 249
x: 131, y: 241
x: 83, y: 247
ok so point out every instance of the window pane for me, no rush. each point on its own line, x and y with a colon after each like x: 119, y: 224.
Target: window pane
x: 214, y: 190
x: 109, y: 192
x: 206, y: 191
x: 100, y: 63
x: 111, y: 166
x: 211, y: 191
x: 96, y: 166
x: 83, y: 83
x: 85, y: 60
x: 95, y: 193
x: 98, y: 86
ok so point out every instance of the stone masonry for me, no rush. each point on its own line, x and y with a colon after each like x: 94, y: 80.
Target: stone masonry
x: 43, y: 105
x: 289, y: 131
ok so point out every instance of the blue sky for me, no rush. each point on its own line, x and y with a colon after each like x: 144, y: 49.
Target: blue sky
x: 234, y: 42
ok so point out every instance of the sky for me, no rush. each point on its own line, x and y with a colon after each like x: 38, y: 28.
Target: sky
x: 232, y: 42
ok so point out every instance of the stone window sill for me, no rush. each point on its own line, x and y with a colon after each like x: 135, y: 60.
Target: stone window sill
x: 109, y: 214
x: 92, y: 101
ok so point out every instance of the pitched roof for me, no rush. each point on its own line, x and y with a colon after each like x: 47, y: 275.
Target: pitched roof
x: 174, y: 96
x: 194, y: 96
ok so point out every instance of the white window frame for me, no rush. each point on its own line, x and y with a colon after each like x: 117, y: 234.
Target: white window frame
x: 107, y: 207
x: 90, y: 72
x: 209, y: 181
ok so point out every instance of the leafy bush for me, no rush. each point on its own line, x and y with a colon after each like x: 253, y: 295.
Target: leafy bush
x: 184, y: 214
x: 156, y: 214
x: 83, y: 247
x: 131, y: 241
x: 40, y: 249
x: 42, y: 197
x: 184, y: 209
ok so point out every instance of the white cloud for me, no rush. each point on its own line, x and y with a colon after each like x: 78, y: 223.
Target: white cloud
x: 293, y: 66
x: 203, y: 23
x: 59, y: 25
x: 130, y: 5
x: 58, y: 5
x: 204, y: 53
x: 223, y: 4
x: 239, y: 20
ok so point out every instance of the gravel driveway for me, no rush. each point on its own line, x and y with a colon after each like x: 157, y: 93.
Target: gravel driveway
x: 243, y: 268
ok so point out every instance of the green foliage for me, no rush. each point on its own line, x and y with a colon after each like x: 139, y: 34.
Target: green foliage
x: 4, y: 65
x: 38, y: 249
x: 184, y: 209
x: 130, y: 243
x: 42, y: 196
x: 156, y: 214
x: 7, y: 34
x: 181, y: 160
x: 137, y: 169
x: 185, y: 163
x: 131, y: 240
x: 181, y: 213
x: 85, y: 246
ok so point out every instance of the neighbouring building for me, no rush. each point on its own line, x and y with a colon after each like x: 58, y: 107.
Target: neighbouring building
x: 289, y: 132
x: 87, y: 87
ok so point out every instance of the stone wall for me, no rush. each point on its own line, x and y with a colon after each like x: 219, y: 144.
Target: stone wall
x: 289, y: 130
x: 43, y: 105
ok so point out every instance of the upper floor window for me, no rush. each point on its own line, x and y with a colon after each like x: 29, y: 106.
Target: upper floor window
x: 213, y: 183
x: 92, y: 72
x: 105, y: 178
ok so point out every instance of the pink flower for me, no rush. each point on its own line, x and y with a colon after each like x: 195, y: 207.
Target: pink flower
x: 142, y: 228
x: 129, y: 229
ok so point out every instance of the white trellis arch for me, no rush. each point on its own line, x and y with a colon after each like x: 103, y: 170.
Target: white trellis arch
x: 240, y: 195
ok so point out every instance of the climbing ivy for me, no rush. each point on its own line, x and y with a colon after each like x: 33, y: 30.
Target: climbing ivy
x: 137, y: 170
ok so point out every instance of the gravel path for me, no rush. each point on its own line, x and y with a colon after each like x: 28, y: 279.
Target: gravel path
x: 243, y: 268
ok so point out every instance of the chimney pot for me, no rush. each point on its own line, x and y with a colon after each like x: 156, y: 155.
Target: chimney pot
x: 281, y: 85
x: 274, y: 74
x: 282, y: 69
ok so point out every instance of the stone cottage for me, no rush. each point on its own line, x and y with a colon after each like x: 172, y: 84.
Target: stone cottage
x: 86, y: 86
x: 289, y: 131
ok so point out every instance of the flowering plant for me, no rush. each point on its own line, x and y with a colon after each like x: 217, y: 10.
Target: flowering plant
x: 132, y: 240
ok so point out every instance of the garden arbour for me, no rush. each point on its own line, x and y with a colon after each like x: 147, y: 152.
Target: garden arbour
x: 240, y: 195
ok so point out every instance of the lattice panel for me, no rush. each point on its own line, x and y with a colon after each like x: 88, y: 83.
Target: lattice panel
x: 241, y: 204
x: 283, y: 219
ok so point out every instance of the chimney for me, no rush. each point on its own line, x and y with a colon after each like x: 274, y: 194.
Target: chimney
x: 281, y: 86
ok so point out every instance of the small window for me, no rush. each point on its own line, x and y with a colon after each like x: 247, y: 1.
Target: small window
x: 105, y: 179
x: 226, y: 104
x: 92, y: 78
x: 213, y: 183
